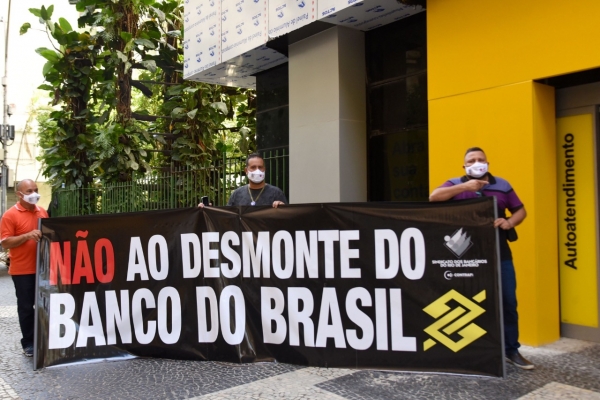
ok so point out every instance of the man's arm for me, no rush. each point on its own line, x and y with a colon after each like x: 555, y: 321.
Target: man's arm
x: 515, y: 219
x: 15, y: 241
x: 447, y: 192
x: 279, y: 198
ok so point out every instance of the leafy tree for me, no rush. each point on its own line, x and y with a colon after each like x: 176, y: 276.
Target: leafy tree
x: 102, y: 128
x: 69, y: 72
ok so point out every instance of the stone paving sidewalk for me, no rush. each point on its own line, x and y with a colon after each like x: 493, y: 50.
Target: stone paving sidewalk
x: 567, y: 369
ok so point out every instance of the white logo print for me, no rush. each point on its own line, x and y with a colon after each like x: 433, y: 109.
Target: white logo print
x: 458, y: 243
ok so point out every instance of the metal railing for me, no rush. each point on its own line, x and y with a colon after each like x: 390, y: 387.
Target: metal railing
x: 276, y: 163
x: 178, y: 188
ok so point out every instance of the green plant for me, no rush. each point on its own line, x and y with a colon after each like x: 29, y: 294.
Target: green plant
x: 119, y: 97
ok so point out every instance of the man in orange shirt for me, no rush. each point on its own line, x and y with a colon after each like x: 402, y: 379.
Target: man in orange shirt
x: 19, y: 233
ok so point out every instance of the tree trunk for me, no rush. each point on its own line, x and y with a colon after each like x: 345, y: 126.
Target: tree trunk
x: 128, y: 23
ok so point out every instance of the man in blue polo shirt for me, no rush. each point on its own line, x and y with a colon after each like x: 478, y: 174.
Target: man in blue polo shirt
x: 479, y: 182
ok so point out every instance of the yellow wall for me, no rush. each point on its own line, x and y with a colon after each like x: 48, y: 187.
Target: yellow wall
x: 543, y: 312
x: 479, y: 44
x: 514, y: 125
x: 483, y: 58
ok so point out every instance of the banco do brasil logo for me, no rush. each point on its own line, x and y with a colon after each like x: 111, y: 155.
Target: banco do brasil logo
x: 454, y: 321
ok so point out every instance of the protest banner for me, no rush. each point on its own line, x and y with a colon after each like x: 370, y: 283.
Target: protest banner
x: 409, y: 286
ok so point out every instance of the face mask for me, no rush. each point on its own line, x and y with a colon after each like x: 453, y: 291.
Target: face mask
x: 256, y: 176
x: 477, y: 170
x: 31, y: 198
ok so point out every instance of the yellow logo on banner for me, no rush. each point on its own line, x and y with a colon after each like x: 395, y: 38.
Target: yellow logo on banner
x: 451, y: 321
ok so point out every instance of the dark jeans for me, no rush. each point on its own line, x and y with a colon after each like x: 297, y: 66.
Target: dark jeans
x: 509, y: 306
x: 25, y: 288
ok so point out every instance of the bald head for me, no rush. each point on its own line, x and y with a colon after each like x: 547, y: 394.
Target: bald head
x: 23, y: 183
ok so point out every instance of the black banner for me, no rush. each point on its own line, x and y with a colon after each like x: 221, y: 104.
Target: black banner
x: 410, y: 286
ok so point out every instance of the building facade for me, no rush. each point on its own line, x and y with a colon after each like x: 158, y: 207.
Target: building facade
x: 386, y: 114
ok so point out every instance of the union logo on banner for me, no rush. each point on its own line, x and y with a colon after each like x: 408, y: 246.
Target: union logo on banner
x: 458, y: 243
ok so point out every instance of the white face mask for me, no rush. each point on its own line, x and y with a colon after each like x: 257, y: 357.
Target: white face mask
x: 32, y: 198
x: 477, y: 170
x: 256, y: 176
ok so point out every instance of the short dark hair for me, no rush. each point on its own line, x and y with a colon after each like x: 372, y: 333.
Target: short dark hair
x: 471, y: 149
x: 251, y: 156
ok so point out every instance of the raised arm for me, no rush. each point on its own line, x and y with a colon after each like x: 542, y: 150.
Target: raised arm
x: 447, y: 192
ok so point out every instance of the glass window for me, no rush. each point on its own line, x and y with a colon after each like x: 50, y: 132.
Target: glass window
x: 397, y: 111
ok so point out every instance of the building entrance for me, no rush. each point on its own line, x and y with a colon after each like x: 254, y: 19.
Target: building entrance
x: 577, y: 199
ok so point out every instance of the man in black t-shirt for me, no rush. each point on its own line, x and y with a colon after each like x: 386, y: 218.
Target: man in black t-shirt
x: 257, y: 192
